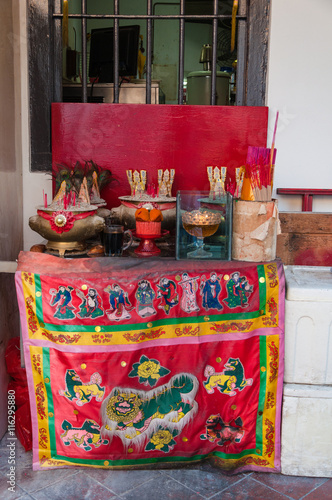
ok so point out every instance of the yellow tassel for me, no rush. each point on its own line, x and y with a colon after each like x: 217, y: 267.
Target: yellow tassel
x: 234, y: 12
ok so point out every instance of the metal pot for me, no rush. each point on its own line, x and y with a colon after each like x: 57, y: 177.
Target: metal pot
x: 67, y: 230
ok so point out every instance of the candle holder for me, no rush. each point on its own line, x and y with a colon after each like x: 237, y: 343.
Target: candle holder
x: 201, y: 223
x: 203, y: 226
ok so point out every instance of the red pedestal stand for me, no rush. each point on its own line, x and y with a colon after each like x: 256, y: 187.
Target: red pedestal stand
x: 147, y: 246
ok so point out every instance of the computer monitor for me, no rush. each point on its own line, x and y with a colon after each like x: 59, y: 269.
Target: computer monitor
x: 101, y: 53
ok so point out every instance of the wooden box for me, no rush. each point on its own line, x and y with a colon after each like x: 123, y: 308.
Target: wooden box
x: 305, y: 239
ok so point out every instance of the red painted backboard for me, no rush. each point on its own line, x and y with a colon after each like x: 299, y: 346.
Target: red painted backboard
x: 120, y: 137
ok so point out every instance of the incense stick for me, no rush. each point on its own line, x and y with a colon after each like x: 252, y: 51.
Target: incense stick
x: 272, y: 155
x: 260, y: 171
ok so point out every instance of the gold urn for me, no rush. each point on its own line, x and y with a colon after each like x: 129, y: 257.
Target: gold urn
x: 67, y: 230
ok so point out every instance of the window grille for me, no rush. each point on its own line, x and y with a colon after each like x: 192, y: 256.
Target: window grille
x: 150, y: 17
x: 45, y: 56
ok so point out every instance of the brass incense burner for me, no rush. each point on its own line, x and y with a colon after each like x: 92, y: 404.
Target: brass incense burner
x: 66, y: 230
x: 72, y: 218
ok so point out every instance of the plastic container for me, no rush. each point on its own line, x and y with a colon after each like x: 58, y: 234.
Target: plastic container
x: 199, y: 88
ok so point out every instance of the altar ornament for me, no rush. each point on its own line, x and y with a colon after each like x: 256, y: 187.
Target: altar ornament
x: 68, y: 221
x: 95, y: 193
x: 137, y: 182
x: 148, y: 219
x: 217, y: 178
x: 148, y: 228
x: 96, y: 179
x: 239, y: 176
x: 162, y: 196
x: 203, y: 221
x: 130, y: 180
x: 165, y: 182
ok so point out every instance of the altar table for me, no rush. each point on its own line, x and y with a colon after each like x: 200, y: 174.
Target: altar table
x: 153, y: 363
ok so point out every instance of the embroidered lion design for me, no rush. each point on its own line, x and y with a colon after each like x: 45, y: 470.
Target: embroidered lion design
x: 231, y: 378
x: 135, y: 415
x: 220, y: 432
x: 83, y: 393
x: 83, y: 436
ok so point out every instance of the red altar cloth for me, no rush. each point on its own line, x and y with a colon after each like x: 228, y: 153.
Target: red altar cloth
x: 134, y: 364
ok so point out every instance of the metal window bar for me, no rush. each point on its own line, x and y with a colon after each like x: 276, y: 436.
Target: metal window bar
x: 116, y: 51
x: 181, y: 54
x: 148, y: 51
x: 150, y: 17
x: 242, y: 49
x: 84, y: 52
x: 214, y: 53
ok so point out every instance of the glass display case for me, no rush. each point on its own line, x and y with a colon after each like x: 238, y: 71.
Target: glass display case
x: 203, y: 225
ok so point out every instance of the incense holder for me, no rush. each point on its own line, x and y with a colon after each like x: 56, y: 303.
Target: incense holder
x: 67, y: 230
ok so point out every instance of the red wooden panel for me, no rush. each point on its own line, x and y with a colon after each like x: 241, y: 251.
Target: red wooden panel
x: 146, y: 136
x: 307, y: 195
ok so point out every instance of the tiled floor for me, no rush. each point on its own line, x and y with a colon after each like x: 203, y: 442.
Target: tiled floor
x: 194, y: 483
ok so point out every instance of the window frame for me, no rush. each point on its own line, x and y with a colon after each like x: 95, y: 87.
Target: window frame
x: 45, y: 61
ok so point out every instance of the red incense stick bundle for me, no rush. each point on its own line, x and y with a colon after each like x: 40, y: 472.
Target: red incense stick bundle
x: 260, y: 171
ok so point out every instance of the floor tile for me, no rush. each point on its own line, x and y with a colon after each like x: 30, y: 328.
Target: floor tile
x: 4, y: 452
x: 164, y: 487
x: 3, y: 459
x: 21, y: 456
x: 77, y: 487
x: 249, y: 489
x: 121, y: 481
x: 5, y: 494
x: 293, y: 486
x: 23, y: 459
x: 206, y: 483
x: 31, y: 481
x: 323, y: 492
